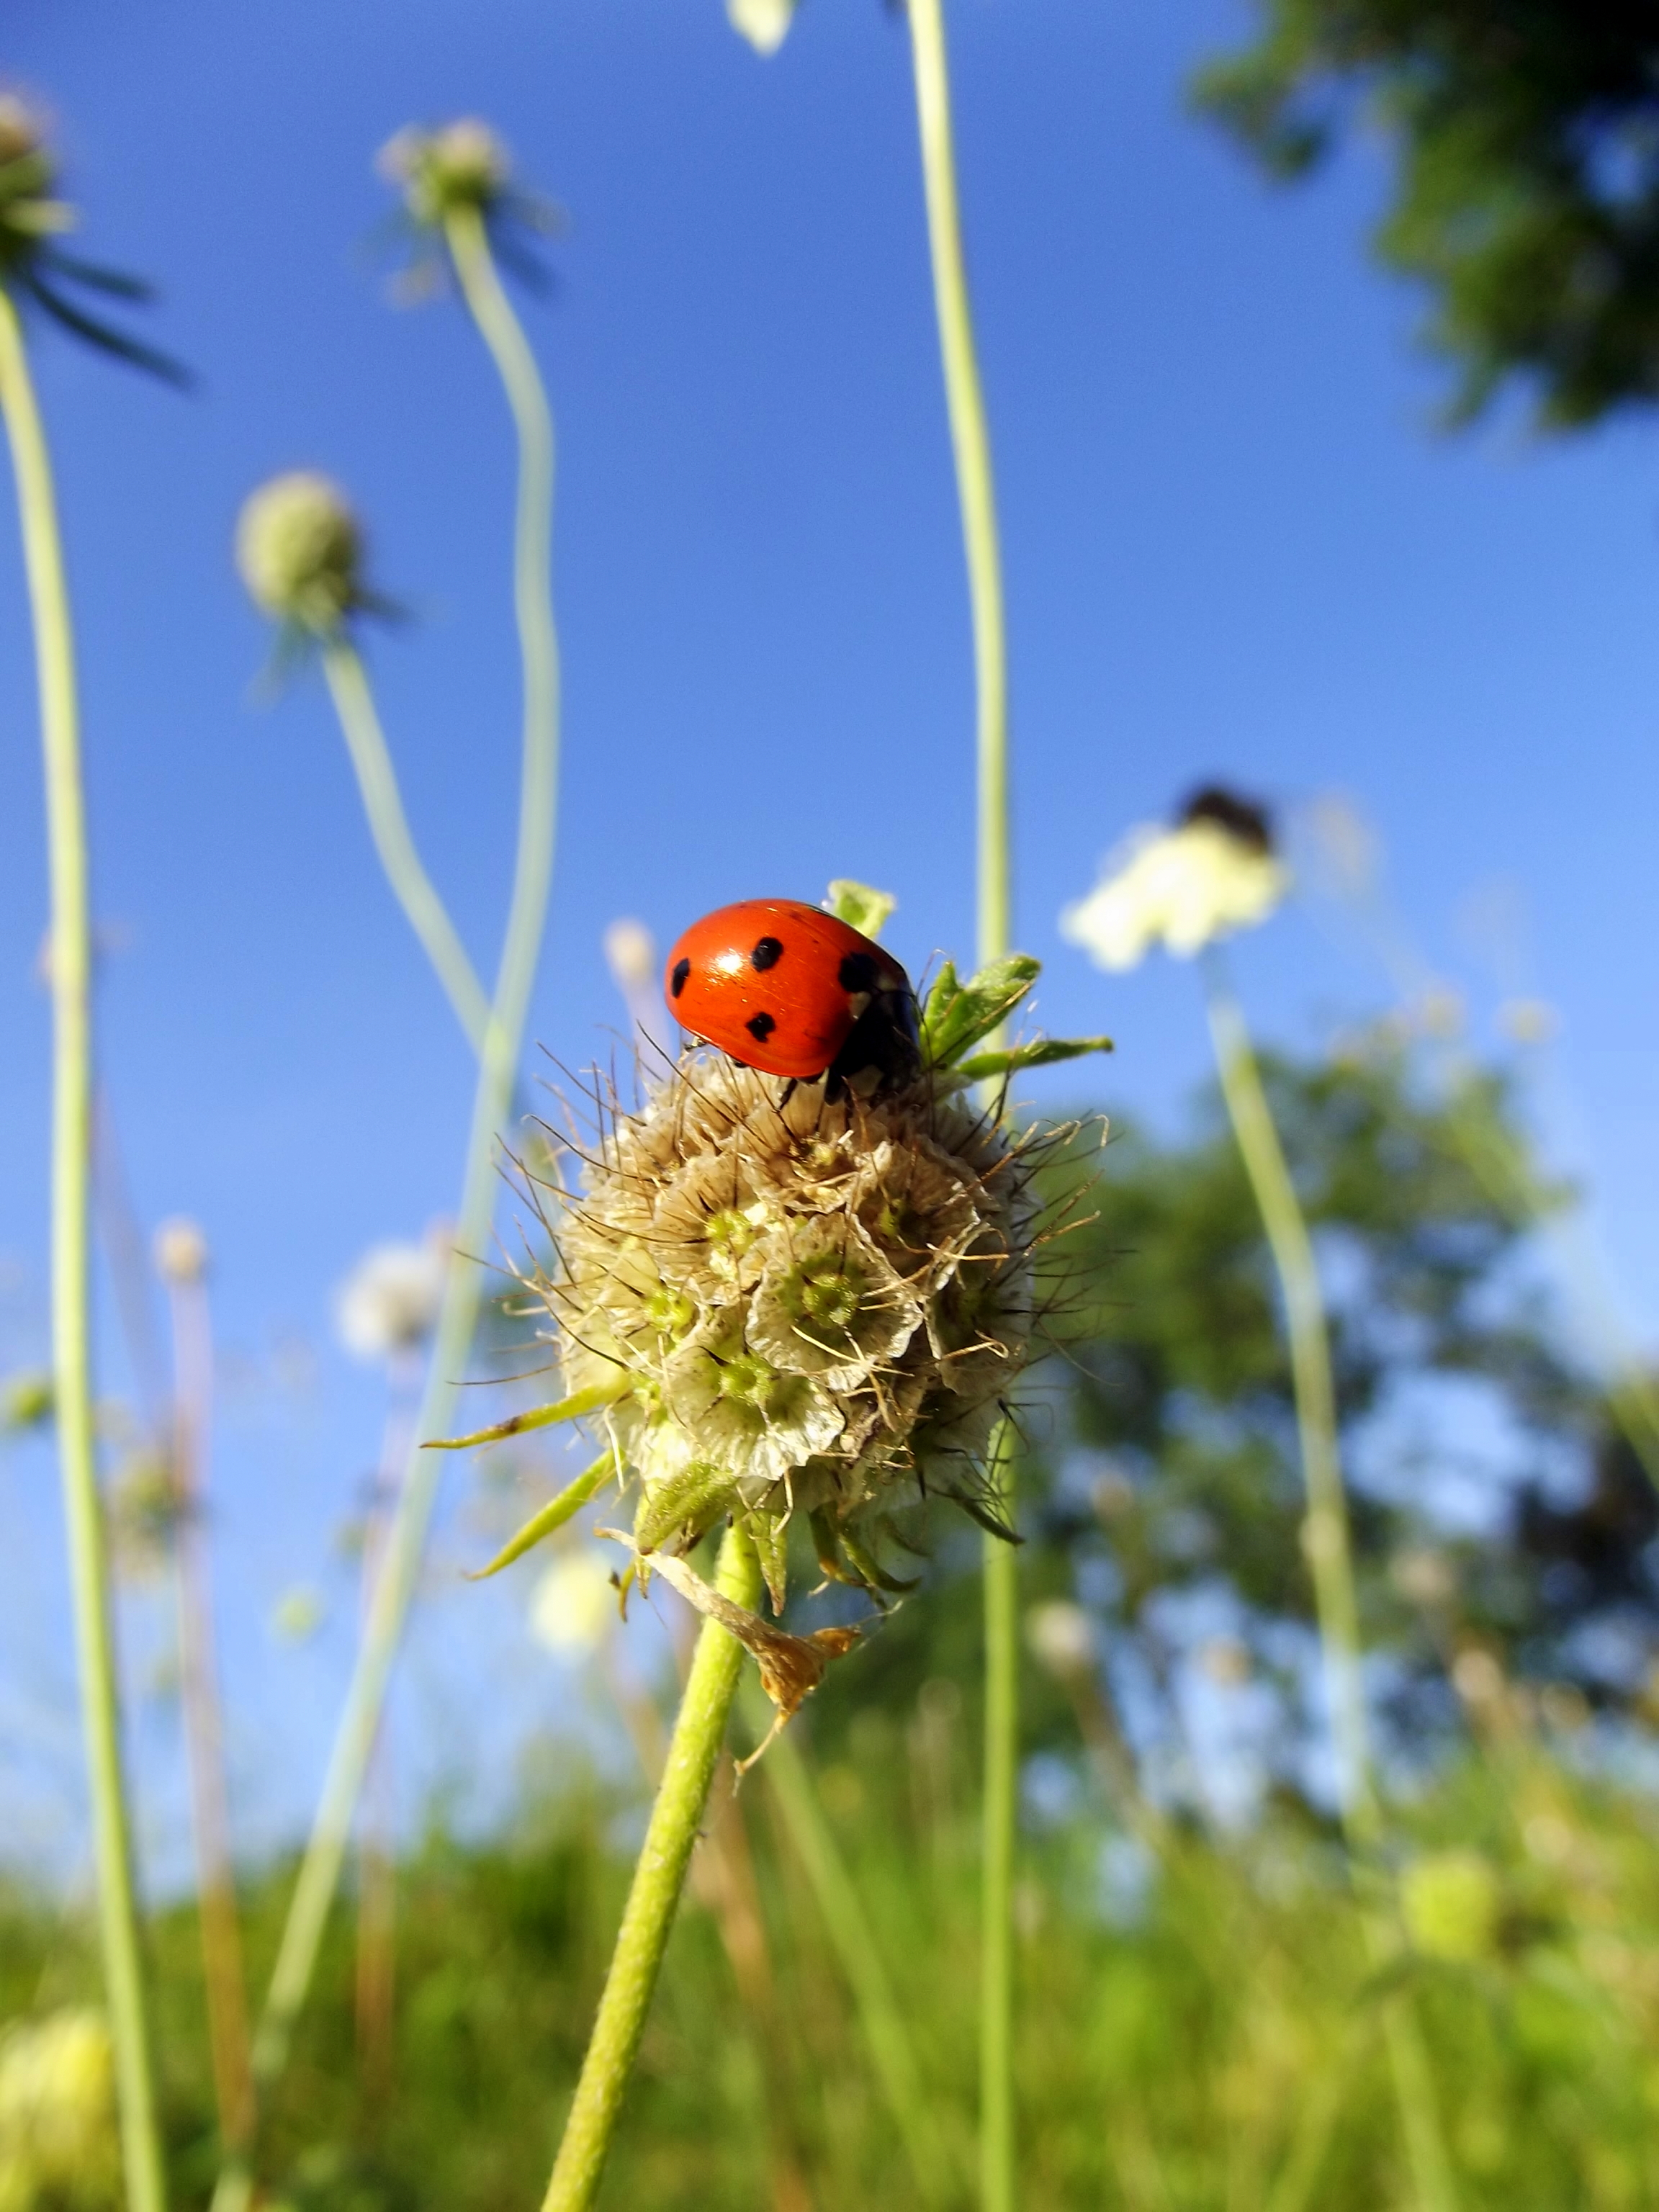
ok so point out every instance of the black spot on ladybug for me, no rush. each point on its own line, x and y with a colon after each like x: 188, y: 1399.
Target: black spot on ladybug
x: 760, y: 1027
x: 676, y: 980
x: 858, y: 973
x: 767, y: 954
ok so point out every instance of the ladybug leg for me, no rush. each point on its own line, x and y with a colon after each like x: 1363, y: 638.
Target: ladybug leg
x: 785, y: 1094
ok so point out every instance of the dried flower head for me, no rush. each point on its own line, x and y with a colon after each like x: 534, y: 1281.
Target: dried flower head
x: 299, y: 552
x: 1213, y: 872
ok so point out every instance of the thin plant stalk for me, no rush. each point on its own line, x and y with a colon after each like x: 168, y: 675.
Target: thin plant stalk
x: 377, y: 1879
x: 215, y: 1881
x: 659, y: 1878
x: 70, y: 966
x: 377, y: 782
x: 1330, y: 1558
x: 892, y: 2053
x: 976, y: 492
x: 463, y: 1296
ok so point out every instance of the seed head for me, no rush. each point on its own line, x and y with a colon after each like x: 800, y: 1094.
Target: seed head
x: 29, y: 212
x: 461, y: 165
x: 299, y: 552
x: 810, y: 1305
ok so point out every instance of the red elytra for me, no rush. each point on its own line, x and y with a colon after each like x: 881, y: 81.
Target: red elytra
x: 788, y: 989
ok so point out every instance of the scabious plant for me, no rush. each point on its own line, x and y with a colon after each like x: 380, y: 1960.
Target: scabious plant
x: 781, y: 1298
x: 1184, y: 885
x: 1187, y: 888
x: 805, y: 1299
x: 32, y: 219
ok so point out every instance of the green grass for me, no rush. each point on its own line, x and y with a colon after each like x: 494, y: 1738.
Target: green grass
x: 1171, y: 2060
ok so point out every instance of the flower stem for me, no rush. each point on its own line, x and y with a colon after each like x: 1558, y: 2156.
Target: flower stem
x: 532, y: 599
x: 458, y: 1317
x: 1330, y: 1557
x: 999, y: 1815
x: 971, y: 446
x: 377, y: 782
x: 216, y: 1881
x: 659, y: 1877
x: 70, y: 964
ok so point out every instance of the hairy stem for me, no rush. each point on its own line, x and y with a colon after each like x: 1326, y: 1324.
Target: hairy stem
x: 1330, y: 1558
x: 377, y: 782
x: 971, y: 446
x: 70, y: 964
x: 458, y: 1318
x: 659, y: 1878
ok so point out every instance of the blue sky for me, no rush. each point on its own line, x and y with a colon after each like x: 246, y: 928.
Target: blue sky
x: 1233, y: 546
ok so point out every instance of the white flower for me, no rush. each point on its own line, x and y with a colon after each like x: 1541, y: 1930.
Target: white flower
x: 764, y: 23
x: 389, y: 1303
x: 1180, y: 888
x: 573, y: 1604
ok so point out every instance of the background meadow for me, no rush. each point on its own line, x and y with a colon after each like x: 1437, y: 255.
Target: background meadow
x: 1234, y: 546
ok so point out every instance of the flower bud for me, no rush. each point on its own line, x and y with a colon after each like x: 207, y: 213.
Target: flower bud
x: 299, y: 552
x: 462, y: 164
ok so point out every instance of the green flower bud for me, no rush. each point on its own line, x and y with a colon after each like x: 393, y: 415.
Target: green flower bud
x: 299, y: 552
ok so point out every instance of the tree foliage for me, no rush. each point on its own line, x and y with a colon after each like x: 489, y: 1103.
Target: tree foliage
x: 1526, y: 189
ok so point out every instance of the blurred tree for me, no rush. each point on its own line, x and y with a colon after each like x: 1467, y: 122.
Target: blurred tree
x: 1494, y: 1508
x: 1526, y: 190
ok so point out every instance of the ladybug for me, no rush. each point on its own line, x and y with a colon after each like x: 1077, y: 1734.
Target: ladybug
x: 790, y: 990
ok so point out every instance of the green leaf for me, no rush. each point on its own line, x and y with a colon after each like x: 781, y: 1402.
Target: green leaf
x: 1042, y: 1052
x: 870, y: 1572
x: 554, y: 1514
x: 859, y: 907
x: 538, y: 1417
x: 770, y: 1537
x: 959, y: 1014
